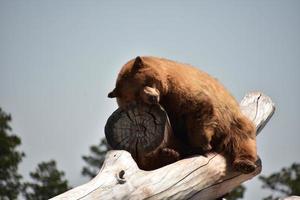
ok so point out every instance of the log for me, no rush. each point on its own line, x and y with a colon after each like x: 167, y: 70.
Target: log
x: 138, y: 128
x: 199, y: 177
x: 145, y: 132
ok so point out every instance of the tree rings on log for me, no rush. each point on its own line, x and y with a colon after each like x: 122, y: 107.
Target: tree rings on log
x: 139, y: 129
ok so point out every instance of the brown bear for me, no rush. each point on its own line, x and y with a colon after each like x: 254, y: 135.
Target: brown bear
x: 203, y: 114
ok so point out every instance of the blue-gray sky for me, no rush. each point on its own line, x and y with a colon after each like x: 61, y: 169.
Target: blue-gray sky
x: 59, y: 59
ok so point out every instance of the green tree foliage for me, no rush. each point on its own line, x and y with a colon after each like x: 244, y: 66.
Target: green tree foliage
x: 284, y: 183
x: 237, y: 193
x: 10, y: 158
x: 96, y: 158
x: 48, y: 181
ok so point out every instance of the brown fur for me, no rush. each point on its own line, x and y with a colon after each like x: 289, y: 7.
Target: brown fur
x: 203, y: 114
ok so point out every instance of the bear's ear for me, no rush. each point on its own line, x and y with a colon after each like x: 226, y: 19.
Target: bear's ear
x: 138, y: 63
x: 112, y: 94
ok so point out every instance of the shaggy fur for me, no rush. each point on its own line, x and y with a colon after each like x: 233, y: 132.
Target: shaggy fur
x: 203, y: 114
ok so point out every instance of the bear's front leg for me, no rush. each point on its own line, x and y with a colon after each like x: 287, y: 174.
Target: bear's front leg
x: 159, y: 158
x: 168, y: 156
x: 199, y: 136
x: 201, y: 126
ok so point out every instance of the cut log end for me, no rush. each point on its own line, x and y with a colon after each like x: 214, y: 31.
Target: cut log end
x: 138, y: 129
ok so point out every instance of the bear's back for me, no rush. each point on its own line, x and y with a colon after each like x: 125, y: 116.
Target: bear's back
x: 190, y: 81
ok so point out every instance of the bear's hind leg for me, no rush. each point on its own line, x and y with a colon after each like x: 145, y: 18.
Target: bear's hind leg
x: 245, y: 159
x: 242, y: 145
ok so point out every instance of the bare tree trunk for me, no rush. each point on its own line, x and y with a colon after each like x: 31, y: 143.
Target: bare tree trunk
x: 198, y: 177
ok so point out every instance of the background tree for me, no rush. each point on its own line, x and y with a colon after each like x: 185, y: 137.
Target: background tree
x: 284, y: 183
x: 95, y: 160
x: 10, y: 158
x: 237, y: 193
x: 48, y: 181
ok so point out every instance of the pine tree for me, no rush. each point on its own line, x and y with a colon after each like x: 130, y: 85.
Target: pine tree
x: 10, y: 158
x: 283, y: 183
x: 96, y: 159
x: 237, y: 193
x: 48, y: 182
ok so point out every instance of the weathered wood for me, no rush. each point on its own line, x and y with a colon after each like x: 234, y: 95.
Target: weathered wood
x: 137, y: 128
x: 142, y: 130
x: 198, y: 177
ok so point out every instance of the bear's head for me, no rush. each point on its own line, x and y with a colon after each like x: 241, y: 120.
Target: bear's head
x: 138, y: 81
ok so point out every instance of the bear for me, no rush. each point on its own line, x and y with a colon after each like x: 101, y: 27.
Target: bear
x: 203, y: 114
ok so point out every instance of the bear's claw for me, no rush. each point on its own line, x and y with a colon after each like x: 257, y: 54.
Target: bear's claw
x: 169, y: 155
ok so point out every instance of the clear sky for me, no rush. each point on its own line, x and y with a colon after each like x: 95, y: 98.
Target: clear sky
x: 59, y: 59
